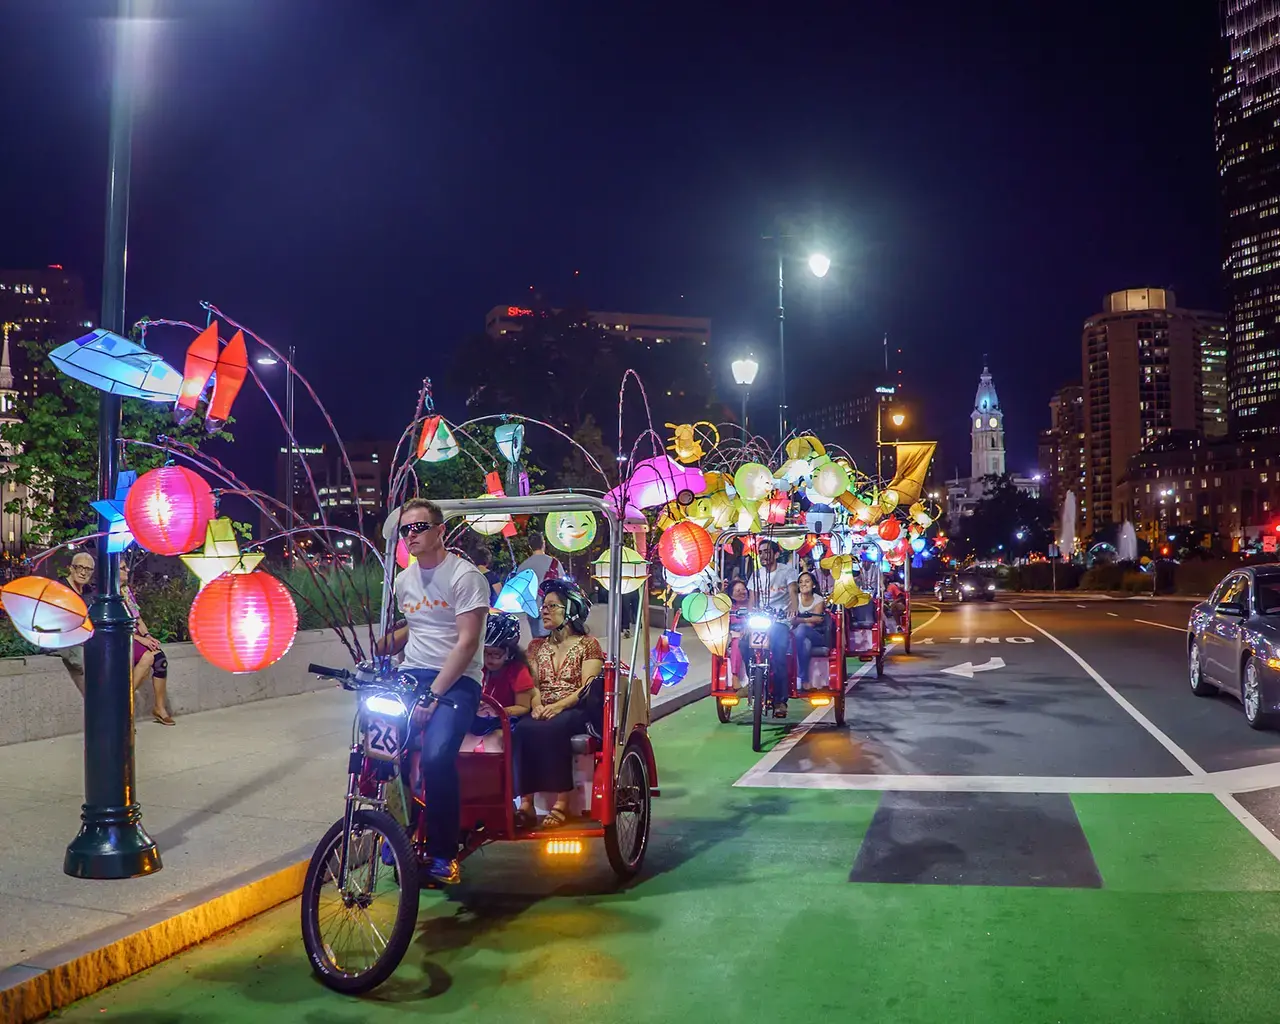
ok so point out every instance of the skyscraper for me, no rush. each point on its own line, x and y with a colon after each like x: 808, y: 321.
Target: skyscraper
x: 1062, y: 448
x: 1142, y: 381
x: 1246, y: 136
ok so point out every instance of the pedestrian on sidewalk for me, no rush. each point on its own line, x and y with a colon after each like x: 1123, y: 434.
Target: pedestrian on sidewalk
x: 444, y: 600
x: 149, y: 661
x: 544, y: 566
x: 79, y: 579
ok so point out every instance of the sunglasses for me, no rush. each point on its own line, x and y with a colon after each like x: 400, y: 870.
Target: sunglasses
x: 411, y: 528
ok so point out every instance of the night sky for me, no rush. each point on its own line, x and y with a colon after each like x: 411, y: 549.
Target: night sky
x: 366, y: 179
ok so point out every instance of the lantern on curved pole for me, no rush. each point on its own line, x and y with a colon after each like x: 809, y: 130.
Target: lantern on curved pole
x: 168, y: 510
x: 47, y: 613
x: 243, y: 623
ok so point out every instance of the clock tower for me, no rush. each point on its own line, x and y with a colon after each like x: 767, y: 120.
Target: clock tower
x: 987, y: 428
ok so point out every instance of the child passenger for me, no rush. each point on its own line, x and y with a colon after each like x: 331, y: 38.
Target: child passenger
x: 507, y: 679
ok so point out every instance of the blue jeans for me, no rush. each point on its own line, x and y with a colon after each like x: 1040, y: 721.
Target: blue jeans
x: 779, y: 643
x: 441, y: 741
x: 807, y: 638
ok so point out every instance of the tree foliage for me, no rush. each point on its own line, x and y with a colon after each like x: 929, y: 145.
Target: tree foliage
x: 1003, y: 512
x: 55, y: 450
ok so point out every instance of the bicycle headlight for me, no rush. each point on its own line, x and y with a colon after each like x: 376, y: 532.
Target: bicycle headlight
x: 380, y: 704
x: 759, y: 622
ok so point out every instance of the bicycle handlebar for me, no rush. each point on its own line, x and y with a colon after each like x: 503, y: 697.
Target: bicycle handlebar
x: 340, y: 674
x: 346, y: 677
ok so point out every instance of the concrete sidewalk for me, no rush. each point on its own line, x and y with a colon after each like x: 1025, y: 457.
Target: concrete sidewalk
x: 235, y: 798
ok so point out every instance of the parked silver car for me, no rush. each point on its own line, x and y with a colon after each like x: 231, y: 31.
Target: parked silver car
x: 1233, y: 643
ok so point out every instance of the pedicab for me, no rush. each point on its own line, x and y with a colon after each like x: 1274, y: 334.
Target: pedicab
x: 367, y: 864
x: 828, y: 675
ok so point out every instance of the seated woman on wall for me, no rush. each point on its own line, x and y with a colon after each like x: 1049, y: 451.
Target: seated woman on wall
x: 507, y: 679
x: 148, y: 658
x: 565, y: 663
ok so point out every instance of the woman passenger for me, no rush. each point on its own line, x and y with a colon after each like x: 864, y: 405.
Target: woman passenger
x: 741, y: 598
x: 808, y: 624
x: 565, y: 663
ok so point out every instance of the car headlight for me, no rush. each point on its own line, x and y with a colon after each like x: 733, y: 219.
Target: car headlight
x: 759, y: 621
x: 991, y: 586
x: 379, y: 704
x: 968, y: 586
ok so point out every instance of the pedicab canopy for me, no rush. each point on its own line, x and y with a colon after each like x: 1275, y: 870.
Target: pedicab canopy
x: 740, y: 487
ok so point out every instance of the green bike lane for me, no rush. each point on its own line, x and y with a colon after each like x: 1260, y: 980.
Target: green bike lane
x: 746, y: 910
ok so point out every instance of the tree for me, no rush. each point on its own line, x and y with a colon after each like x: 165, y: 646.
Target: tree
x: 1001, y: 515
x: 576, y: 471
x: 54, y: 448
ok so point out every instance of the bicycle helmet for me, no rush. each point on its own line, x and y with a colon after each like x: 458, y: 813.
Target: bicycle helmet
x: 502, y: 630
x: 575, y: 601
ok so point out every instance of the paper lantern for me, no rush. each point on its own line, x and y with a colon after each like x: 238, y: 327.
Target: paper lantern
x: 806, y: 446
x: 685, y: 441
x: 707, y: 579
x: 830, y: 481
x: 509, y: 438
x: 221, y: 553
x: 228, y: 378
x: 686, y: 548
x: 871, y: 552
x: 890, y: 529
x: 243, y: 623
x: 47, y: 613
x: 820, y: 518
x: 745, y: 519
x: 570, y: 531
x: 918, y: 544
x: 846, y: 593
x: 490, y: 523
x: 791, y: 543
x: 168, y: 510
x: 402, y: 553
x: 519, y: 595
x: 714, y: 633
x: 753, y: 481
x: 437, y: 443
x: 672, y: 665
x: 118, y: 366
x: 202, y: 357
x: 701, y: 607
x: 119, y: 536
x: 774, y: 510
x: 795, y: 470
x: 655, y: 482
x: 889, y: 499
x: 635, y: 570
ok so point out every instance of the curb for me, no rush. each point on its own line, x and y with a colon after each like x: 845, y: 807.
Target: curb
x: 56, y: 978
x: 61, y: 976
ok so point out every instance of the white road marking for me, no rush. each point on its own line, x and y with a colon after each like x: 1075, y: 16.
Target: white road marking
x: 968, y: 668
x: 1082, y: 606
x: 1156, y: 732
x: 1113, y: 615
x: 1162, y: 625
x: 762, y: 767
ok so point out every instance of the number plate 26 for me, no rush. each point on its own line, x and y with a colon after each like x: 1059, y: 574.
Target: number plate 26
x: 381, y: 738
x: 759, y: 638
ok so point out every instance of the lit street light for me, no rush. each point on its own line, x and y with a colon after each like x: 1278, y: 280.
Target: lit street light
x: 897, y: 419
x: 744, y: 373
x: 819, y: 264
x: 267, y: 359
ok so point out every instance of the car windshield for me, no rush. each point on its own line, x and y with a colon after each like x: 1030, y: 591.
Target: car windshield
x: 1269, y: 597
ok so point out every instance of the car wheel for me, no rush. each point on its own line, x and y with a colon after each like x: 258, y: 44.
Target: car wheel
x: 1200, y: 686
x: 1251, y: 696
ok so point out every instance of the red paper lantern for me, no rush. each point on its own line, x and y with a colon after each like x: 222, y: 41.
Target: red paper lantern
x: 774, y: 510
x: 889, y: 529
x: 168, y: 509
x: 243, y: 623
x: 685, y: 548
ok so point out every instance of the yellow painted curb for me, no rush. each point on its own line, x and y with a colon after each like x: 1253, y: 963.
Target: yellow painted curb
x: 83, y: 973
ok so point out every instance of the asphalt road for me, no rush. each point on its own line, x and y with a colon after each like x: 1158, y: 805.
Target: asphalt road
x: 1030, y: 818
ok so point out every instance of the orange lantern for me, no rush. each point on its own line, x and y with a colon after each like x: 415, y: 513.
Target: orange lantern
x: 202, y: 357
x: 228, y: 378
x: 168, y: 510
x: 686, y: 548
x: 48, y: 614
x: 243, y: 623
x: 890, y: 529
x: 774, y: 510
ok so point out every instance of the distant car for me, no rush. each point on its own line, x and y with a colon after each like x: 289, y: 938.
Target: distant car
x: 961, y: 588
x: 979, y: 587
x: 1233, y: 643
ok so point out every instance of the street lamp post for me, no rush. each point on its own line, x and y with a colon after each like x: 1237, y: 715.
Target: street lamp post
x: 744, y: 373
x: 898, y: 420
x: 818, y: 266
x: 112, y: 842
x: 267, y: 359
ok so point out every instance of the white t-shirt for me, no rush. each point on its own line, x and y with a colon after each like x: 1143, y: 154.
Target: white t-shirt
x: 774, y: 587
x: 431, y: 601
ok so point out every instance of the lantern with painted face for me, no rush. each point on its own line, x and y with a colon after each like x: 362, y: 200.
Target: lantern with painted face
x: 829, y: 481
x: 753, y: 481
x: 570, y: 531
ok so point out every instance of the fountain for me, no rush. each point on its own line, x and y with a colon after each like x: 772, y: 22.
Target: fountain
x: 1127, y: 545
x: 1067, y: 536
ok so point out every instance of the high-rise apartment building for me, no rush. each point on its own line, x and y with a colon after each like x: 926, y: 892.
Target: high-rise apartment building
x: 45, y: 306
x: 1213, y: 376
x: 1141, y: 360
x: 1062, y: 448
x: 1246, y: 136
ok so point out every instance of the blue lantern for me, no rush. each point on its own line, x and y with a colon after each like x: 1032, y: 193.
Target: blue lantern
x: 670, y: 668
x: 510, y: 440
x: 118, y: 366
x: 119, y: 536
x: 871, y: 552
x: 519, y: 595
x: 918, y: 545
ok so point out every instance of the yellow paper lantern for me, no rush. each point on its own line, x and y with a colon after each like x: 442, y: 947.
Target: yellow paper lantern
x: 805, y: 447
x: 791, y: 543
x: 889, y: 499
x: 845, y: 592
x: 714, y: 633
x: 746, y: 519
x: 635, y: 570
x: 830, y: 481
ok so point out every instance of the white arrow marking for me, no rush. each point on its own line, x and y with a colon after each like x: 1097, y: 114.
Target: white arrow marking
x: 968, y: 668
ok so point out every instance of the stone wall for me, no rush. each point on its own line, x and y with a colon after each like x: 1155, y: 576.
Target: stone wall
x: 38, y: 699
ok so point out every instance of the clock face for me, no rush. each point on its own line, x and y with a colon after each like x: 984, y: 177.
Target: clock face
x: 993, y: 421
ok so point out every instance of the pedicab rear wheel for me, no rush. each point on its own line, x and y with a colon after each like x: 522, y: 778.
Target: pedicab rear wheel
x: 757, y: 704
x: 723, y: 712
x: 627, y: 839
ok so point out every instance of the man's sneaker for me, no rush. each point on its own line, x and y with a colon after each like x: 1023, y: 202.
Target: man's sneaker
x: 441, y: 872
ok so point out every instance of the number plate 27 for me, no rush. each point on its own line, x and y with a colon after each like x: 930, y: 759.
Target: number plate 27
x: 381, y: 738
x: 759, y: 638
